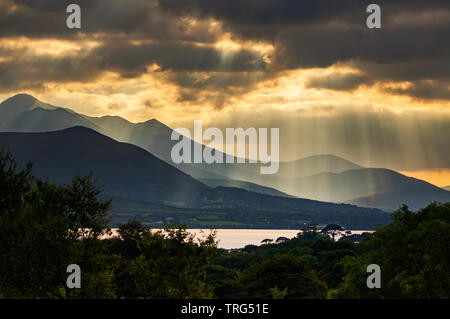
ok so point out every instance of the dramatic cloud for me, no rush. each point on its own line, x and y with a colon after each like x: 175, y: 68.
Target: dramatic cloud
x: 431, y: 90
x: 322, y: 33
x: 312, y: 68
x: 180, y: 35
x: 337, y: 81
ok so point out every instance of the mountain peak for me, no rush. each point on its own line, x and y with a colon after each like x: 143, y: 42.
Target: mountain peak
x: 157, y: 125
x: 23, y: 102
x: 153, y: 121
x: 22, y: 98
x: 17, y: 104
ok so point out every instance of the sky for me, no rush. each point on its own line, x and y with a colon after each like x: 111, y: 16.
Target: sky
x: 378, y: 97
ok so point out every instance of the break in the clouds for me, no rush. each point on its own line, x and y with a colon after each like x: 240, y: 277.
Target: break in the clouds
x: 338, y: 81
x: 322, y: 33
x: 180, y: 60
x: 179, y: 35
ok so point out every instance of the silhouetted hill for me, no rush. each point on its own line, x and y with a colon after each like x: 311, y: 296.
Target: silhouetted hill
x: 122, y: 169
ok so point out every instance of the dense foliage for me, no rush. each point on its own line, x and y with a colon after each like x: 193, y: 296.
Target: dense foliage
x: 44, y: 227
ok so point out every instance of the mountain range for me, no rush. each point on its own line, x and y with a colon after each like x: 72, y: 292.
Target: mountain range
x: 137, y: 178
x: 320, y: 177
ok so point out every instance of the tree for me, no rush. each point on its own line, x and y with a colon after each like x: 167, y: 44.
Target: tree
x: 266, y: 241
x: 40, y: 235
x: 309, y: 232
x: 171, y: 265
x: 15, y: 182
x: 332, y: 230
x: 130, y: 234
x: 412, y: 252
x: 285, y: 273
x: 132, y: 231
x: 282, y: 239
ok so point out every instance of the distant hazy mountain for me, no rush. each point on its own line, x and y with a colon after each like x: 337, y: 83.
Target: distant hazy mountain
x: 24, y: 113
x: 415, y: 198
x: 314, y: 165
x: 371, y: 187
x: 244, y: 185
x: 446, y: 188
x: 155, y: 137
x: 128, y: 172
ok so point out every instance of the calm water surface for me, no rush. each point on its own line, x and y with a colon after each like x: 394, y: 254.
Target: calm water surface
x: 239, y: 238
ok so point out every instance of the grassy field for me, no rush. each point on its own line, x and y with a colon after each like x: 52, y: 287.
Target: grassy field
x: 253, y: 218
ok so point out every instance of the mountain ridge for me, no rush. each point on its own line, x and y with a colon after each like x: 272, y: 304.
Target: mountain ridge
x: 127, y: 171
x: 309, y: 177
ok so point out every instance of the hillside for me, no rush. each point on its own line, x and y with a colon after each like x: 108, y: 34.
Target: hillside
x: 122, y: 169
x: 320, y: 177
x: 31, y: 115
x: 128, y: 172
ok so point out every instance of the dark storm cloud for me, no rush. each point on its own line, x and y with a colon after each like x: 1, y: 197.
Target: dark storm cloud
x: 402, y: 54
x: 247, y: 12
x: 31, y: 72
x: 287, y: 12
x: 45, y: 18
x: 171, y: 44
x: 304, y: 33
x: 325, y: 46
x: 322, y: 33
x: 427, y: 90
x: 137, y: 19
x: 23, y: 69
x: 409, y: 70
x: 175, y: 57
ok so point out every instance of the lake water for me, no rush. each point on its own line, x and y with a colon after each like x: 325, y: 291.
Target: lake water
x: 239, y: 238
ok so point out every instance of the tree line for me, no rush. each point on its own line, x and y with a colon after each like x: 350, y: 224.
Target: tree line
x: 44, y: 227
